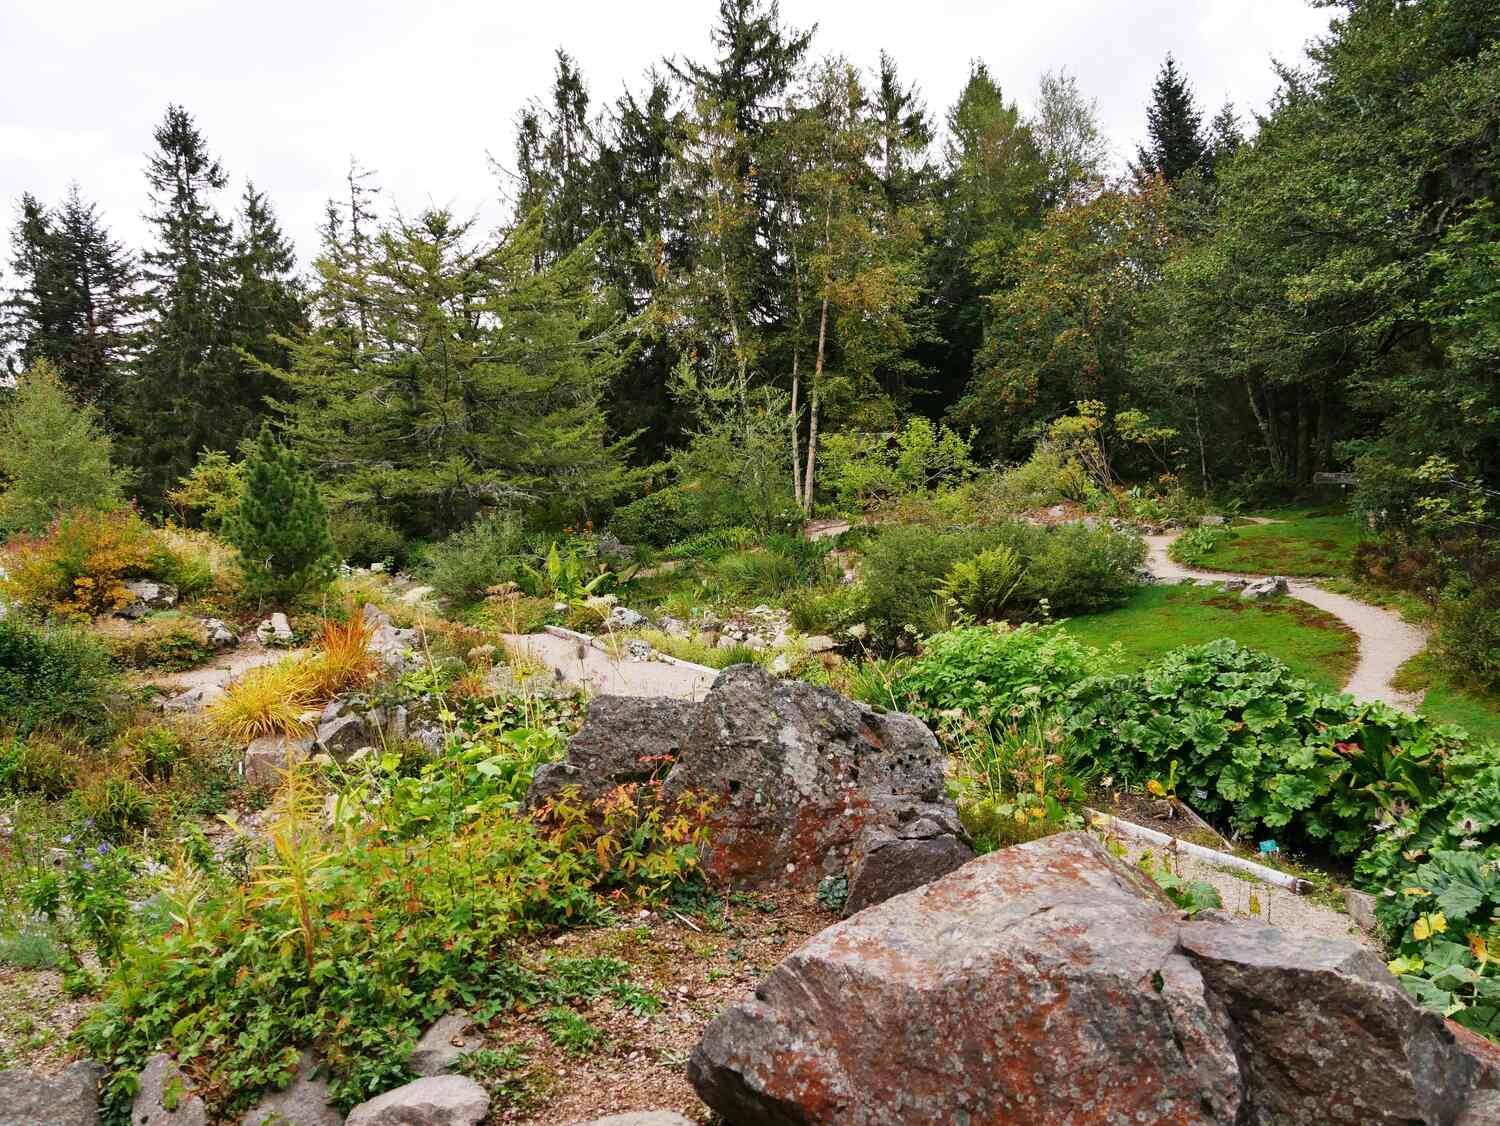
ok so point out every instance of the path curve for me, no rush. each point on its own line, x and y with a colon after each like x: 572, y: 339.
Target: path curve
x: 1385, y: 641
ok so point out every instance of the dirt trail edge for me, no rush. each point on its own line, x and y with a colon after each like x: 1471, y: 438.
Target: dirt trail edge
x: 1385, y: 641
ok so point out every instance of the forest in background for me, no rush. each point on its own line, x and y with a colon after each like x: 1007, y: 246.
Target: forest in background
x: 759, y: 266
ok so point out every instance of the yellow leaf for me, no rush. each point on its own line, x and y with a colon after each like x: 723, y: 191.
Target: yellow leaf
x: 1254, y: 904
x: 1155, y: 787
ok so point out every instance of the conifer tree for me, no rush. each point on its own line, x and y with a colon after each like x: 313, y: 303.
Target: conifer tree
x: 53, y: 454
x: 1174, y: 125
x: 266, y: 309
x: 187, y: 368
x: 73, y: 304
x: 280, y: 526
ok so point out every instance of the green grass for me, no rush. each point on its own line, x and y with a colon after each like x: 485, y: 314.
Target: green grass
x: 1158, y: 619
x: 1303, y: 541
x: 1476, y: 712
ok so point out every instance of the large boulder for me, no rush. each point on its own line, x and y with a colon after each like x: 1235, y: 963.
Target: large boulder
x: 1051, y: 983
x: 623, y: 740
x: 267, y: 758
x: 801, y: 783
x: 440, y: 1100
x: 389, y: 644
x: 70, y: 1098
x: 147, y: 596
x: 804, y: 781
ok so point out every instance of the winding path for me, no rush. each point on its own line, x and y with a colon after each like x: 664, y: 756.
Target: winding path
x: 1385, y: 641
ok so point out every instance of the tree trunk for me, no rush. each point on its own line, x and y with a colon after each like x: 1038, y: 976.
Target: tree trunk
x: 792, y: 424
x: 812, y: 422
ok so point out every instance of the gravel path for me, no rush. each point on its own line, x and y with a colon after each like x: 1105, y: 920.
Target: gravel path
x: 1385, y: 641
x: 584, y: 665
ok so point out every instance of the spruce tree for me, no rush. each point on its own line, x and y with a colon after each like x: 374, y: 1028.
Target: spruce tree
x: 73, y: 305
x: 266, y: 309
x: 1174, y: 125
x: 187, y: 368
x: 280, y: 526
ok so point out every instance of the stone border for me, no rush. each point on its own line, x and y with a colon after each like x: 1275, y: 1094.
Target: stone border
x: 1212, y: 856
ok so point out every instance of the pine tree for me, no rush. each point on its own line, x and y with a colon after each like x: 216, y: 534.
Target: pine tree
x: 74, y: 302
x: 266, y: 309
x: 187, y: 369
x: 1174, y: 124
x: 53, y: 454
x: 280, y: 526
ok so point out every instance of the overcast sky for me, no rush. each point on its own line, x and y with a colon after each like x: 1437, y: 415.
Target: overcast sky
x: 286, y: 92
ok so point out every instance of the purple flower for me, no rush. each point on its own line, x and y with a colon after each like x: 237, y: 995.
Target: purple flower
x: 103, y: 849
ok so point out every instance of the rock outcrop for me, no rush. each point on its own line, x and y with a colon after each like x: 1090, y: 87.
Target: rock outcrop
x: 801, y: 782
x: 446, y: 1042
x: 305, y: 1102
x: 164, y: 1097
x: 1051, y: 983
x: 70, y: 1098
x: 146, y: 597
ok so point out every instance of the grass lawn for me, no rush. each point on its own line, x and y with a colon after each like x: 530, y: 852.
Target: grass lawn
x: 1303, y: 541
x: 1158, y: 619
x: 1476, y: 712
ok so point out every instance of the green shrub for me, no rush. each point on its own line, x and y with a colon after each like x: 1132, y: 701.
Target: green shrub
x: 1075, y: 569
x: 1468, y: 633
x: 162, y: 641
x: 53, y: 676
x: 902, y: 571
x: 210, y: 492
x: 829, y: 610
x: 992, y: 674
x: 660, y: 518
x: 1047, y: 478
x: 781, y: 564
x: 1253, y: 744
x: 981, y: 586
x: 280, y: 527
x: 362, y: 538
x: 711, y: 545
x: 470, y: 561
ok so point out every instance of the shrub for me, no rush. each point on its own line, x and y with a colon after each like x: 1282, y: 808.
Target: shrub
x: 663, y: 517
x: 53, y: 455
x: 782, y: 563
x: 79, y: 566
x: 1011, y: 784
x: 981, y: 586
x: 195, y: 562
x: 1075, y: 569
x: 902, y: 571
x: 37, y: 765
x: 53, y: 676
x: 828, y: 611
x: 1468, y: 621
x: 1045, y: 479
x: 210, y: 492
x: 268, y: 700
x: 363, y: 538
x: 991, y: 674
x: 162, y: 641
x: 470, y: 561
x: 712, y: 545
x: 116, y: 804
x: 280, y: 527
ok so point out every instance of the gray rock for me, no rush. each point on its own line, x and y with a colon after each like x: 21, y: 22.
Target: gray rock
x: 70, y: 1098
x: 1211, y: 521
x: 642, y: 1118
x: 673, y: 627
x: 623, y: 617
x: 1051, y: 983
x: 218, y: 633
x: 1263, y: 588
x: 432, y: 737
x: 342, y: 735
x: 638, y: 650
x: 439, y: 1100
x: 820, y: 643
x: 146, y: 596
x: 1233, y: 585
x: 275, y: 631
x: 1206, y: 582
x: 444, y: 1044
x: 193, y: 700
x: 267, y: 757
x: 890, y: 860
x: 624, y: 739
x: 164, y: 1098
x: 304, y: 1103
x: 416, y: 594
x: 387, y: 642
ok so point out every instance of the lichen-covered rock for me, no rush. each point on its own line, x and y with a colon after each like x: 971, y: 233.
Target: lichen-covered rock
x: 1050, y: 983
x: 624, y: 740
x: 1263, y: 588
x: 219, y: 634
x: 799, y: 775
x: 70, y: 1098
x: 147, y: 596
x: 342, y: 735
x: 439, y: 1100
x: 389, y: 644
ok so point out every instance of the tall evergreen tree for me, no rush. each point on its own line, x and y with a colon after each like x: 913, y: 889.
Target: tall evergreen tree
x: 266, y: 309
x: 187, y: 368
x: 73, y: 305
x: 1176, y: 142
x: 555, y: 153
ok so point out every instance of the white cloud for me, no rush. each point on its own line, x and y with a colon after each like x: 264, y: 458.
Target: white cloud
x: 287, y: 91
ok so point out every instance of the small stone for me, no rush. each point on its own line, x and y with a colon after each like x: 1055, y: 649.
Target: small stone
x: 820, y: 643
x: 218, y: 633
x: 194, y: 700
x: 147, y: 596
x: 342, y: 736
x: 444, y: 1044
x: 275, y: 631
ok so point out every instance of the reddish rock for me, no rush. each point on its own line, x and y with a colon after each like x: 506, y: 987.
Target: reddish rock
x: 1050, y: 983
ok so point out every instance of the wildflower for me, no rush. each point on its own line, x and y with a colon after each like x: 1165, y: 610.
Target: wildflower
x: 1469, y: 843
x: 1468, y: 826
x: 103, y: 849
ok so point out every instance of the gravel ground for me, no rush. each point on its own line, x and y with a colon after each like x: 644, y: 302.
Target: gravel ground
x: 579, y: 664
